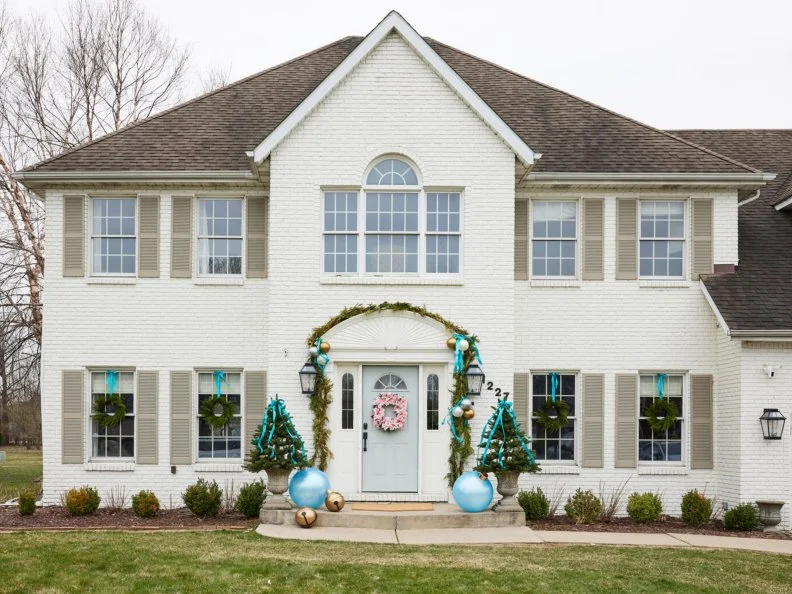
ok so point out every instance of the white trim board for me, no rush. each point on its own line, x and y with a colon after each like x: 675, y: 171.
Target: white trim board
x: 395, y: 22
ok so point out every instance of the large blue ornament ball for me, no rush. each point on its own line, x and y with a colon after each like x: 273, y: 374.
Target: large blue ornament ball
x: 472, y: 493
x: 308, y: 488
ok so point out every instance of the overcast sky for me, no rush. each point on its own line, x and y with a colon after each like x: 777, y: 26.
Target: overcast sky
x: 669, y: 63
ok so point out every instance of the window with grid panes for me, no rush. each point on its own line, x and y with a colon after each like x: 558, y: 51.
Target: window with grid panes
x: 118, y: 441
x: 665, y: 446
x: 114, y: 236
x: 432, y: 402
x: 662, y: 242
x: 554, y: 445
x: 225, y: 442
x: 347, y: 401
x: 220, y: 236
x: 554, y: 239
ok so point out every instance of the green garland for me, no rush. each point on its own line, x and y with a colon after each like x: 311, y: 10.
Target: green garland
x: 207, y: 413
x: 100, y: 410
x: 552, y: 423
x: 322, y: 396
x: 661, y: 414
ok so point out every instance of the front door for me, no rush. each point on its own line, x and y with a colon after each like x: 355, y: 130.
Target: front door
x: 390, y: 458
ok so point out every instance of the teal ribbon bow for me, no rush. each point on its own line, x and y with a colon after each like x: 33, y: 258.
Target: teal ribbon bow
x: 494, y: 423
x: 553, y: 385
x: 661, y: 378
x: 459, y: 354
x: 324, y: 357
x: 219, y: 377
x: 277, y: 408
x: 451, y: 419
x: 112, y: 381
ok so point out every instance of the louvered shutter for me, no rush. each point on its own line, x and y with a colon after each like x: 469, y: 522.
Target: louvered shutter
x: 626, y: 239
x: 72, y: 421
x: 521, y: 240
x: 257, y: 233
x: 626, y: 420
x: 74, y: 235
x: 255, y: 403
x: 701, y: 425
x: 592, y: 239
x: 181, y: 237
x: 181, y: 417
x: 146, y: 414
x: 702, y: 257
x: 149, y: 248
x: 593, y: 420
x: 520, y: 400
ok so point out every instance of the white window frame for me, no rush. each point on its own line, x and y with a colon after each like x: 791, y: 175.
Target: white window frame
x: 89, y: 434
x: 532, y: 202
x: 684, y: 239
x: 683, y: 416
x: 426, y: 408
x: 353, y: 410
x: 91, y: 236
x: 197, y: 236
x: 577, y: 417
x: 197, y: 413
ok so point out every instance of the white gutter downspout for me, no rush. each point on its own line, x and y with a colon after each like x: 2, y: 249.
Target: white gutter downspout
x: 721, y: 322
x: 750, y: 199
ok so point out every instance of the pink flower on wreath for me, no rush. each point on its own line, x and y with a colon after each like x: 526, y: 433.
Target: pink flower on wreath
x: 385, y: 422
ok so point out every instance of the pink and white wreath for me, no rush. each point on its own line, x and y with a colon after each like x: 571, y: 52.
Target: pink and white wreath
x: 386, y: 422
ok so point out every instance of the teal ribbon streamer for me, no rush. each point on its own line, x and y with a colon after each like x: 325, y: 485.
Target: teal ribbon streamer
x: 459, y: 354
x: 219, y: 377
x: 495, y: 421
x: 661, y: 378
x: 112, y: 381
x: 451, y: 418
x: 553, y: 385
x: 325, y: 357
x: 277, y: 408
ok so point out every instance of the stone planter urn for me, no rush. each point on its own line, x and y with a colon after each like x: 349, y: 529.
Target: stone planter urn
x: 507, y: 487
x: 277, y: 484
x: 770, y: 513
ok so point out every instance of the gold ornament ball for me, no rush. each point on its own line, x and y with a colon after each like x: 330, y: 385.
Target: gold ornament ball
x: 334, y: 501
x: 324, y: 347
x: 451, y: 343
x: 305, y: 517
x: 469, y: 414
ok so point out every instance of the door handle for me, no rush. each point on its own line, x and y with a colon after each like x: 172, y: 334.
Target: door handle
x: 365, y: 435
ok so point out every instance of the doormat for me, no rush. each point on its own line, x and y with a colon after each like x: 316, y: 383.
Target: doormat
x: 395, y: 507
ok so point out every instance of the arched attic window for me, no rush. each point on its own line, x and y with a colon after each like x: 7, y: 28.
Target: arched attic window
x: 392, y: 172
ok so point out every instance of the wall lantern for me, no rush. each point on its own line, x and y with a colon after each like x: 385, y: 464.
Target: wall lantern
x: 772, y: 422
x: 308, y: 378
x: 474, y: 378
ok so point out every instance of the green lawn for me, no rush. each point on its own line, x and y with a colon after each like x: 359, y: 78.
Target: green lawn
x: 20, y: 469
x: 246, y: 562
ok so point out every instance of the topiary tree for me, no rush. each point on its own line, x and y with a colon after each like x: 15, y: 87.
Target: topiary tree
x: 277, y: 444
x: 503, y: 446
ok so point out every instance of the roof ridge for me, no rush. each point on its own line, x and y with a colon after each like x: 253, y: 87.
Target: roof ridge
x: 187, y: 103
x: 730, y: 130
x: 601, y: 108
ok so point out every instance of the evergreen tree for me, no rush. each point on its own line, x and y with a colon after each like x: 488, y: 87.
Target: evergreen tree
x: 503, y: 445
x: 281, y: 446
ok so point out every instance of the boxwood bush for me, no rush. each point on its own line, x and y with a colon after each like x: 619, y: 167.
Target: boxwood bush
x: 145, y: 504
x: 26, y: 504
x: 250, y: 499
x: 741, y: 517
x: 534, y: 504
x: 583, y: 507
x: 696, y: 508
x: 203, y: 498
x: 82, y: 502
x: 644, y: 508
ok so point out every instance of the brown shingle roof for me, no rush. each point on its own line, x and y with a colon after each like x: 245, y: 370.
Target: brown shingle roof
x: 213, y: 132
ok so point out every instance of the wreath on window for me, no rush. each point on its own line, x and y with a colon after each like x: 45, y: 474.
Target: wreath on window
x: 553, y: 414
x: 217, y: 411
x: 100, y: 410
x: 661, y: 414
x: 382, y: 420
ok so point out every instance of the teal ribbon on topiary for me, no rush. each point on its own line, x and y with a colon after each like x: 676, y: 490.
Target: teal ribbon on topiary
x: 459, y: 354
x: 277, y: 408
x: 504, y: 408
x: 111, y: 377
x: 661, y: 379
x: 553, y: 376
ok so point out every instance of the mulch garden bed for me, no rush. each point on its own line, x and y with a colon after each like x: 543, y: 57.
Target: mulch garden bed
x: 663, y: 525
x: 56, y: 518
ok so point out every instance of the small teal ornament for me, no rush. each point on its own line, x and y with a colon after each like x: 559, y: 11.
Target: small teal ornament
x: 473, y: 492
x: 308, y: 488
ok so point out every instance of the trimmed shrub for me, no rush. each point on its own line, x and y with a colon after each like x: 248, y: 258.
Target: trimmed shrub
x: 203, y: 498
x: 534, y: 504
x: 250, y: 498
x: 145, y: 504
x: 82, y: 502
x: 644, y: 508
x: 696, y: 508
x: 741, y: 517
x: 26, y: 504
x: 583, y: 507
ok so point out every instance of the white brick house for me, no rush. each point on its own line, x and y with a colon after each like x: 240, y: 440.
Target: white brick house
x: 569, y: 239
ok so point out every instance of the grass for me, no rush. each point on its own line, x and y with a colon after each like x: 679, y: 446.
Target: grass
x: 246, y: 562
x: 20, y: 469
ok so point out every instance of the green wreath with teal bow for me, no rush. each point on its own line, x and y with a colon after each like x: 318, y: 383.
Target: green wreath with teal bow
x: 218, y: 412
x: 661, y: 414
x: 104, y: 418
x: 552, y: 422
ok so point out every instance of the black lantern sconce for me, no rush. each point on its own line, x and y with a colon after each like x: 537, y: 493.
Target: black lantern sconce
x: 772, y: 422
x: 308, y: 379
x: 474, y: 380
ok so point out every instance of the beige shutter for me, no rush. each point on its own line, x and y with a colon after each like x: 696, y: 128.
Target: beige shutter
x: 592, y: 239
x: 626, y: 420
x: 521, y: 239
x: 149, y: 265
x: 520, y: 400
x: 702, y: 257
x: 257, y: 227
x: 73, y: 434
x: 181, y: 417
x: 701, y: 430
x: 626, y: 239
x: 593, y: 420
x: 74, y: 235
x: 146, y: 413
x: 181, y: 237
x: 255, y: 403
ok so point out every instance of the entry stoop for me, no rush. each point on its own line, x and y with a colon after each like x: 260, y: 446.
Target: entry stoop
x: 444, y: 515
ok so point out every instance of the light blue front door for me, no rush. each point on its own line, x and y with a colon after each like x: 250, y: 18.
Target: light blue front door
x: 390, y: 458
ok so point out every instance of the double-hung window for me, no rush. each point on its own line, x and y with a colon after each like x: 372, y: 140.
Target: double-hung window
x: 443, y: 232
x: 340, y: 232
x: 225, y: 442
x: 662, y: 239
x: 554, y: 445
x: 660, y: 446
x: 220, y: 236
x: 113, y: 236
x: 554, y: 239
x: 118, y: 441
x: 392, y: 232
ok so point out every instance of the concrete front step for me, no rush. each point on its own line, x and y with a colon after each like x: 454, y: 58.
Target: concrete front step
x: 443, y: 516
